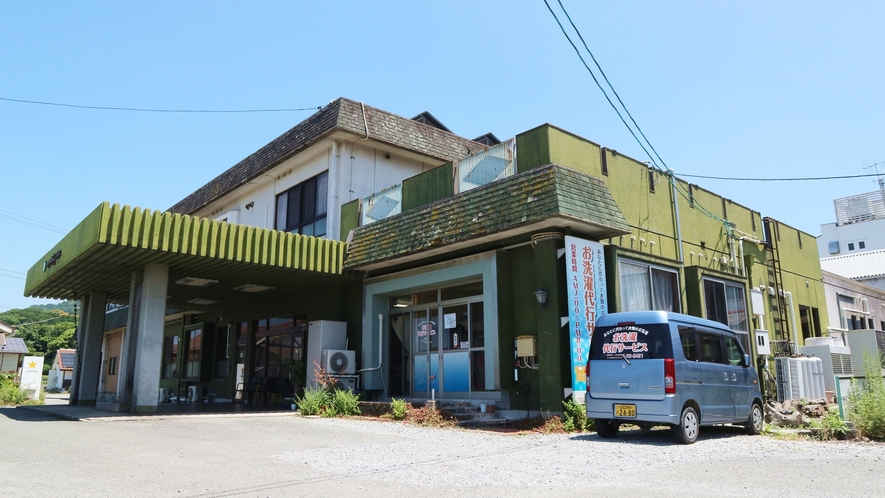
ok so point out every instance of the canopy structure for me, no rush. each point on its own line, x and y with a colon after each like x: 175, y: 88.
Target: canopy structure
x: 215, y: 264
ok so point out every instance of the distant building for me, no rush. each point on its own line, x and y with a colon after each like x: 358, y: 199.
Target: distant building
x: 11, y: 349
x: 859, y: 226
x: 62, y: 372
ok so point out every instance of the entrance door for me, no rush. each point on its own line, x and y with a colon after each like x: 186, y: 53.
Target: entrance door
x: 425, y: 330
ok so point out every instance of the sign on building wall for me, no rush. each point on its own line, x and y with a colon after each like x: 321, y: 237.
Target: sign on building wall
x: 32, y: 375
x: 585, y: 273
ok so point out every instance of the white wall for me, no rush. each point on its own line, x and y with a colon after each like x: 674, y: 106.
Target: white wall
x: 370, y: 170
x: 871, y: 232
x: 835, y: 284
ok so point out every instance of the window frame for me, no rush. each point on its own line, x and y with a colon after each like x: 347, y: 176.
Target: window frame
x: 304, y: 206
x: 676, y: 288
x: 743, y: 334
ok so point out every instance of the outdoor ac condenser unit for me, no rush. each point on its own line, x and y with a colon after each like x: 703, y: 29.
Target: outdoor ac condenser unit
x: 193, y: 394
x: 339, y: 361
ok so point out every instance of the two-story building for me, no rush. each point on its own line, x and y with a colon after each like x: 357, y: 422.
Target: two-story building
x: 462, y: 269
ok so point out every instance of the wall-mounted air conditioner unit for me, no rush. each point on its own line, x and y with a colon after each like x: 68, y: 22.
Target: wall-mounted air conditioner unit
x: 339, y: 361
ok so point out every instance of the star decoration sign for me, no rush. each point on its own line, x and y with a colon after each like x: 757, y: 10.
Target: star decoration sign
x: 32, y: 364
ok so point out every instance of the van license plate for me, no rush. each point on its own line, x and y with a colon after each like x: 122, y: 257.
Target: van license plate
x: 625, y: 411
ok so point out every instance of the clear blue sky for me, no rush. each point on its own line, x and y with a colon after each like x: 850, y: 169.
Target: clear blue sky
x: 746, y: 89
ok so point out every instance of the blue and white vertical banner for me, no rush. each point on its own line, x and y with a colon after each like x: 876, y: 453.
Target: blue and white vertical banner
x: 585, y: 272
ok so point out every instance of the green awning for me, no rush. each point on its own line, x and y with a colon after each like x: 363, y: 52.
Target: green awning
x: 100, y: 254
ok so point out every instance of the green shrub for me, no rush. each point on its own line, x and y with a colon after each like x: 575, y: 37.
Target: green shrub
x: 345, y: 403
x: 315, y: 401
x: 398, y: 408
x: 10, y: 393
x: 831, y: 427
x: 867, y: 402
x: 575, y: 417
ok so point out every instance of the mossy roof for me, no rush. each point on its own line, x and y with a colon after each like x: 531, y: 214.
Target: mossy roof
x: 550, y: 197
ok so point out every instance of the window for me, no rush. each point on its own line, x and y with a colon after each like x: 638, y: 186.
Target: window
x: 647, y: 287
x: 857, y: 245
x: 604, y: 159
x: 651, y: 180
x: 302, y: 208
x: 170, y: 357
x: 725, y: 303
x: 711, y: 351
x: 222, y: 351
x: 689, y: 347
x: 279, y: 348
x: 112, y: 365
x: 631, y: 341
x: 733, y: 352
x: 193, y: 344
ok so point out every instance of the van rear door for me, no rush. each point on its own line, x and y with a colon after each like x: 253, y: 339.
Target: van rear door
x: 627, y: 361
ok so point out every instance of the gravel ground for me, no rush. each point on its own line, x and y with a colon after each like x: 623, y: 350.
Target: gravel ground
x: 723, y: 462
x: 216, y: 455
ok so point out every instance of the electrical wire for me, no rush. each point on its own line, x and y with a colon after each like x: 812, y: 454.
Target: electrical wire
x: 799, y: 179
x: 18, y: 325
x: 139, y: 109
x: 34, y: 223
x: 728, y: 226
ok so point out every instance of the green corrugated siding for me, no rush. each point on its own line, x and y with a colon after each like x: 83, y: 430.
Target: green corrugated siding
x: 428, y: 187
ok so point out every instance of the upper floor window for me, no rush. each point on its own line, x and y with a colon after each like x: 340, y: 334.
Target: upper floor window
x: 857, y: 245
x: 302, y: 208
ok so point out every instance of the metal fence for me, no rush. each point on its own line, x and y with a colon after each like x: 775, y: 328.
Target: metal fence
x: 861, y: 207
x: 493, y: 164
x: 383, y: 204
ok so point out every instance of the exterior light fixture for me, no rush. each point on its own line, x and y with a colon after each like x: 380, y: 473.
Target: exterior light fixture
x: 541, y: 296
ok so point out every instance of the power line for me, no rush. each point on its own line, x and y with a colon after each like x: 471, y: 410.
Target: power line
x: 34, y: 223
x: 13, y: 271
x: 807, y: 178
x: 653, y: 164
x: 13, y: 276
x: 139, y: 109
x: 17, y: 325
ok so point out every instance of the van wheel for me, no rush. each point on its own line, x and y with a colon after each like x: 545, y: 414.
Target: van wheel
x: 606, y: 429
x: 754, y: 426
x: 686, y: 432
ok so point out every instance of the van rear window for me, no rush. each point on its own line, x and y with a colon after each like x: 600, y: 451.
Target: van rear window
x: 640, y: 342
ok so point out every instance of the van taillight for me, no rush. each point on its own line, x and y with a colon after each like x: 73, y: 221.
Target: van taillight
x: 669, y: 376
x: 587, y: 375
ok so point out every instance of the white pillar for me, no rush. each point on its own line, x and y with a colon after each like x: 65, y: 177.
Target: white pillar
x: 333, y: 210
x: 151, y: 315
x: 90, y: 349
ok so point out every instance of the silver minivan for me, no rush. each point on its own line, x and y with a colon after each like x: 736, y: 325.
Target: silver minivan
x: 658, y: 368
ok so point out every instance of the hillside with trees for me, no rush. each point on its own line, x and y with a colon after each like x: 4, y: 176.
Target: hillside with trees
x: 45, y: 328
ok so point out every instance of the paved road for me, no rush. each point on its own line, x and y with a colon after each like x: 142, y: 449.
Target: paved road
x: 285, y: 455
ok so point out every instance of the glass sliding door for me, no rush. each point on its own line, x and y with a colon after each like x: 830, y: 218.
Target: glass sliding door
x: 436, y: 343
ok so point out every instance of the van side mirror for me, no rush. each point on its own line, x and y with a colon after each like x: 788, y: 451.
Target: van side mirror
x: 747, y: 361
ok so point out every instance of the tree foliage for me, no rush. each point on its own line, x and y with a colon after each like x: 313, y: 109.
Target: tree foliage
x: 45, y: 328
